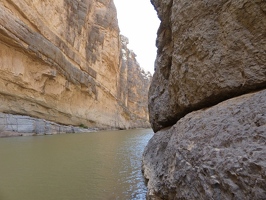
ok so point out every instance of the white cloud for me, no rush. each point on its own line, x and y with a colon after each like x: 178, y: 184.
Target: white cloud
x: 138, y: 21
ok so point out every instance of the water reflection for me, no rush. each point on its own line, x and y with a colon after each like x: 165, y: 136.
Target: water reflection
x: 104, y: 165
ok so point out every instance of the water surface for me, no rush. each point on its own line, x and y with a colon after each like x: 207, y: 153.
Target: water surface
x: 103, y: 165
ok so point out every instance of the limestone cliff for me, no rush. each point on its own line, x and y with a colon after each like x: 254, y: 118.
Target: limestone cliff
x: 61, y: 61
x: 134, y: 83
x: 210, y: 140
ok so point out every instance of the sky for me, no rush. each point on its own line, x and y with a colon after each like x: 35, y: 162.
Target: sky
x: 138, y: 21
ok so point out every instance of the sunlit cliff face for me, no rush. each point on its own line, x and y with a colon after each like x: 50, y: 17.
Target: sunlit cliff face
x: 67, y: 69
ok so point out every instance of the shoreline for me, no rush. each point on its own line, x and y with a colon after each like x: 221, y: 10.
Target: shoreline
x: 19, y: 125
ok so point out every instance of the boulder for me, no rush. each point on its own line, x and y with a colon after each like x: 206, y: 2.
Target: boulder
x: 214, y: 153
x: 208, y: 51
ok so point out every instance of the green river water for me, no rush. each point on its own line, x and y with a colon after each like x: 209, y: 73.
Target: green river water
x: 104, y: 165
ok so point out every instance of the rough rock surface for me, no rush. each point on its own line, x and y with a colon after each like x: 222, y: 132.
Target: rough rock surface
x: 208, y: 51
x: 61, y: 61
x: 207, y: 102
x: 214, y: 153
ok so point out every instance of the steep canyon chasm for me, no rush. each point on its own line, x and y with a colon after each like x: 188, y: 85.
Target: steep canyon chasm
x: 64, y: 63
x: 207, y: 102
x: 64, y: 68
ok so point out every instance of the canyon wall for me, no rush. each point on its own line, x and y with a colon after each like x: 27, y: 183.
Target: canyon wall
x: 134, y: 83
x: 207, y: 101
x: 62, y: 61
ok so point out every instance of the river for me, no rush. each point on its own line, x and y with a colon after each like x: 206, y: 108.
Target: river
x: 105, y: 165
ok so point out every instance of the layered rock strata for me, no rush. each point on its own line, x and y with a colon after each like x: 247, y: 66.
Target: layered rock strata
x: 210, y: 141
x: 61, y: 61
x: 17, y: 125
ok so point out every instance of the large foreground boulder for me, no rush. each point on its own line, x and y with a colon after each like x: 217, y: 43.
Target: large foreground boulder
x: 208, y: 51
x: 214, y: 153
x: 210, y: 142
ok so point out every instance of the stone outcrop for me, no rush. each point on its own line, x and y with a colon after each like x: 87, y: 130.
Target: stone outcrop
x: 207, y: 102
x: 208, y: 51
x: 61, y: 61
x: 214, y: 153
x: 17, y: 125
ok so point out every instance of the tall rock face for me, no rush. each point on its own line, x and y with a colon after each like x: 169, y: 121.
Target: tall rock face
x: 207, y: 101
x: 61, y: 61
x: 208, y: 51
x: 134, y: 83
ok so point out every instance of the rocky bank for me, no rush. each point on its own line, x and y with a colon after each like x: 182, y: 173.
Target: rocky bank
x: 207, y: 101
x: 19, y: 125
x: 64, y: 61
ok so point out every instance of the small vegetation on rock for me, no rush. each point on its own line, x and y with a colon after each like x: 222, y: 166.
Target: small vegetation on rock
x: 83, y: 126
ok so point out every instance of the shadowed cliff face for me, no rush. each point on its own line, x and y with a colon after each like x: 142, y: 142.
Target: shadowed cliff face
x: 60, y: 60
x: 207, y: 101
x: 208, y: 51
